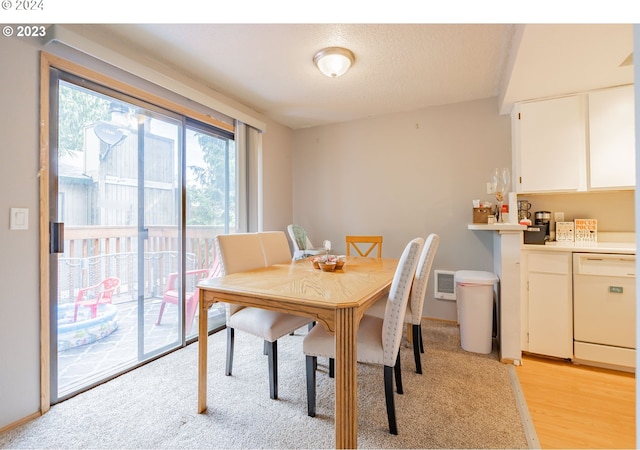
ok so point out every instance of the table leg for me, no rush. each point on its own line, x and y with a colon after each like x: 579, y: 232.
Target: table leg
x: 202, y: 353
x: 346, y: 379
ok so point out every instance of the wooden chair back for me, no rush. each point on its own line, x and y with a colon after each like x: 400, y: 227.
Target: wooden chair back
x: 364, y: 245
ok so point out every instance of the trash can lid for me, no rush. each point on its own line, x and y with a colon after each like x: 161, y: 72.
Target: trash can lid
x: 475, y: 277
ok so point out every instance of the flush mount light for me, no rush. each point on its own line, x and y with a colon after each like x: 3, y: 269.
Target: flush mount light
x: 333, y: 61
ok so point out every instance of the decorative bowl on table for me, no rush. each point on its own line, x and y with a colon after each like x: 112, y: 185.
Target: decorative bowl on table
x: 316, y: 261
x: 327, y: 266
x: 340, y: 260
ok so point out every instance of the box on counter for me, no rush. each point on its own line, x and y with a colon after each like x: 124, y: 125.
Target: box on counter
x: 481, y: 215
x: 564, y: 231
x: 586, y: 230
x: 536, y: 234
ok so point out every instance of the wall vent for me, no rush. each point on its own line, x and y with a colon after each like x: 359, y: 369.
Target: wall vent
x: 445, y: 285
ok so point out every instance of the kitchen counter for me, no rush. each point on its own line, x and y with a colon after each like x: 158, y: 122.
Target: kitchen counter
x: 626, y: 244
x: 496, y: 227
x: 628, y: 248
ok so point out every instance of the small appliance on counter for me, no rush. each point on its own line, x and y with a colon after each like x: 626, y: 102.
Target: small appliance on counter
x: 538, y: 233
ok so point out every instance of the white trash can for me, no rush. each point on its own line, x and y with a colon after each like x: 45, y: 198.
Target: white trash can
x: 475, y: 297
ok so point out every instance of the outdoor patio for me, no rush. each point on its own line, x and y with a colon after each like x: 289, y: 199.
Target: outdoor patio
x: 87, y: 364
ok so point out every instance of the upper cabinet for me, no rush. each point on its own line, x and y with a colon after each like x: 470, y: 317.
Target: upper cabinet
x: 575, y: 143
x: 612, y: 138
x: 550, y: 145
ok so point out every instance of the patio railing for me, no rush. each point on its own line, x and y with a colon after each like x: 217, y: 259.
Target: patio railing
x: 94, y: 253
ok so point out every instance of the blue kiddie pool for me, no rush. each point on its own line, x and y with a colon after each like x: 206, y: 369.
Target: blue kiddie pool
x: 85, y: 330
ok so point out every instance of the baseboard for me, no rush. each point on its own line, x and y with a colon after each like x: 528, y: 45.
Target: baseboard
x: 437, y: 319
x: 523, y: 409
x: 17, y: 423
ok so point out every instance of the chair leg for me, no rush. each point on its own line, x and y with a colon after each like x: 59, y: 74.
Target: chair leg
x: 388, y: 394
x: 230, y: 338
x: 160, y: 313
x: 417, y: 338
x: 311, y: 385
x: 421, y: 341
x: 332, y: 367
x: 265, y: 348
x: 398, y: 371
x: 273, y: 369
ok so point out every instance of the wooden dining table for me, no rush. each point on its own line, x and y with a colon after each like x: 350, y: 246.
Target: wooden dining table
x: 335, y: 300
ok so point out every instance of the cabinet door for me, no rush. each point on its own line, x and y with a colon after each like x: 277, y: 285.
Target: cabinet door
x: 612, y: 138
x: 550, y: 142
x: 550, y: 304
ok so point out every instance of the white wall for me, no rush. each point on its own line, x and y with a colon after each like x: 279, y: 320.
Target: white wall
x: 19, y: 263
x: 277, y: 198
x: 401, y: 176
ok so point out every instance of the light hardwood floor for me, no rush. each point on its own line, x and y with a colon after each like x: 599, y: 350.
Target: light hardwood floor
x: 576, y: 406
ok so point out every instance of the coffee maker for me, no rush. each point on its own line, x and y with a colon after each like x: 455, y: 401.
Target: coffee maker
x: 543, y: 220
x: 538, y: 233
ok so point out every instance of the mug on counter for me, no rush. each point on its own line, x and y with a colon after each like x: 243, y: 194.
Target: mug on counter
x: 523, y: 210
x: 524, y: 205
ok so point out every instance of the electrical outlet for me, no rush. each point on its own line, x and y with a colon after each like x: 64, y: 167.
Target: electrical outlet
x: 490, y: 189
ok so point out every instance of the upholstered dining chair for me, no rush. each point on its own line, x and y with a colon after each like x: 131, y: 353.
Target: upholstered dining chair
x: 378, y: 339
x: 413, y: 315
x: 364, y: 245
x: 275, y: 247
x: 239, y: 253
x: 302, y: 246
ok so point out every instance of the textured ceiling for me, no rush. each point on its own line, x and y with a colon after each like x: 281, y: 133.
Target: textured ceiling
x: 398, y: 67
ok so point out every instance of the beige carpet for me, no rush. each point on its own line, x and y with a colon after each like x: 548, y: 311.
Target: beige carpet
x: 462, y: 400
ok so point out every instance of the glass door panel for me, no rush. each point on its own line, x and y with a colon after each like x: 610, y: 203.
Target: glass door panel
x: 210, y: 209
x: 116, y: 187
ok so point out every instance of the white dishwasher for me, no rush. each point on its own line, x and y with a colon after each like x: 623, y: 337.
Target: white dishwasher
x: 604, y: 309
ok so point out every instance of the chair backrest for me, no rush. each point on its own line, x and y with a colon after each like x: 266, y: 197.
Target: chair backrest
x: 364, y: 245
x: 299, y: 237
x: 239, y: 252
x: 275, y: 247
x: 421, y: 279
x: 397, y: 302
x: 109, y: 285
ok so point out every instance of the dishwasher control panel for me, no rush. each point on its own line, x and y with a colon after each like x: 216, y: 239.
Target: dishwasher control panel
x: 604, y: 264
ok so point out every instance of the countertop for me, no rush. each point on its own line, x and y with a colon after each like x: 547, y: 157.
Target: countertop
x: 496, y: 227
x: 623, y: 243
x: 627, y: 248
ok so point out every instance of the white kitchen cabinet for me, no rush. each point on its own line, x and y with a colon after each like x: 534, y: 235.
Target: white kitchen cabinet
x: 612, y: 138
x: 581, y: 142
x: 548, y: 322
x: 549, y: 145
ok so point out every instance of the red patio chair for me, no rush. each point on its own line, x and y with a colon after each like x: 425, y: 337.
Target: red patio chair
x: 103, y: 292
x: 191, y: 298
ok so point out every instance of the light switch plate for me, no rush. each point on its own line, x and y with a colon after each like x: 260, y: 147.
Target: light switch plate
x: 19, y: 219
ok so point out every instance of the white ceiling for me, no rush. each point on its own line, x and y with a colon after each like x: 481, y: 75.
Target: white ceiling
x: 398, y: 67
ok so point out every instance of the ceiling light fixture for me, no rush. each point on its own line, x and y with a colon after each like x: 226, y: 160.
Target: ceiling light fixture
x: 334, y: 61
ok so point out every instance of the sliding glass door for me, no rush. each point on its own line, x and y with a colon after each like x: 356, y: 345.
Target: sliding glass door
x: 211, y: 208
x: 127, y: 251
